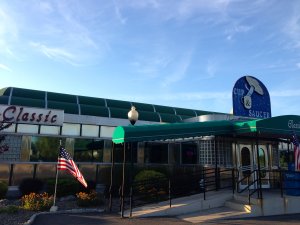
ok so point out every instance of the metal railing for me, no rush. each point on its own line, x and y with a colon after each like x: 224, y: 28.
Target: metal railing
x: 165, y: 189
x: 284, y: 182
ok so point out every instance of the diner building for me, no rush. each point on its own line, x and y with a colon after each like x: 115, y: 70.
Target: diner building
x: 91, y: 128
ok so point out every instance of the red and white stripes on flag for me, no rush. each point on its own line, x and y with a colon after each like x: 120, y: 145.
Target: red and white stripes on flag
x: 296, y: 152
x: 65, y: 162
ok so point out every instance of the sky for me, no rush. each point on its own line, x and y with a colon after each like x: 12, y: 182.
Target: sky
x: 183, y: 53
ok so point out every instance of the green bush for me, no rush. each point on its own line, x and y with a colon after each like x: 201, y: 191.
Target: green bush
x: 3, y: 189
x: 151, y: 185
x: 65, y: 186
x: 30, y: 185
x: 37, y: 202
x: 146, y: 175
x: 9, y: 209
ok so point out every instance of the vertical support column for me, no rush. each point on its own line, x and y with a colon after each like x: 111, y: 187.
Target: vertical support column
x: 111, y: 177
x: 258, y: 167
x: 97, y: 172
x: 123, y: 181
x: 11, y: 172
x: 217, y: 178
x: 288, y: 151
x: 34, y: 171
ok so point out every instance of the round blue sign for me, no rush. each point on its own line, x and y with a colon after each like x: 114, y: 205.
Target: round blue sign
x: 251, y: 98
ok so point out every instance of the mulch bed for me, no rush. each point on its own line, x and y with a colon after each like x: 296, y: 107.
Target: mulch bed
x: 22, y: 216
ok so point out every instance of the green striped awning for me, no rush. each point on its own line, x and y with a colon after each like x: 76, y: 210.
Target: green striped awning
x: 281, y: 126
x: 170, y: 131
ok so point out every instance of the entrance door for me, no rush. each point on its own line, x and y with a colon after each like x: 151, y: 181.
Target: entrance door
x: 264, y: 165
x: 245, y: 165
x: 247, y: 162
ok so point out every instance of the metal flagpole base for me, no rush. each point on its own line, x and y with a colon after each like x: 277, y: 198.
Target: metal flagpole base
x: 53, y: 208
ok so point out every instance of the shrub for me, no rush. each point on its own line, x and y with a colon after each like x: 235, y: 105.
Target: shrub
x: 37, y: 202
x: 89, y: 199
x: 146, y: 175
x: 65, y: 186
x: 151, y: 185
x: 3, y: 189
x: 30, y: 185
x: 9, y: 209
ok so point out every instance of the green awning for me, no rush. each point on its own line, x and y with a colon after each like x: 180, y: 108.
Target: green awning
x: 170, y: 131
x: 282, y: 126
x: 277, y: 127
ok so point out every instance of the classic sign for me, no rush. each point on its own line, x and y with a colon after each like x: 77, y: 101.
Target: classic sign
x: 21, y: 114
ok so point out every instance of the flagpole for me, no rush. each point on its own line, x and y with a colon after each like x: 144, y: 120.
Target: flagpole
x: 54, y: 207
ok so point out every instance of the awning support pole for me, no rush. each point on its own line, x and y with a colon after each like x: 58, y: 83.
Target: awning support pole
x: 217, y: 178
x: 123, y: 181
x: 111, y: 177
x: 258, y: 167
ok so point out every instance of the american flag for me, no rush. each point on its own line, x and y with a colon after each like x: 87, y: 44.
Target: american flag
x: 65, y: 162
x: 296, y: 152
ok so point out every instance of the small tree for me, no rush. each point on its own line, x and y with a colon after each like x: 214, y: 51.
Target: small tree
x: 3, y: 126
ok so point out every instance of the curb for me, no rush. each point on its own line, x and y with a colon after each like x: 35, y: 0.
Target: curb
x: 32, y: 218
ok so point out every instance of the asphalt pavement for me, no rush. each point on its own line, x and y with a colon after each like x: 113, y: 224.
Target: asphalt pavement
x: 115, y: 219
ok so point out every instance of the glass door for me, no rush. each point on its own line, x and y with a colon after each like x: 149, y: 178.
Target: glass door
x: 245, y: 162
x: 264, y: 165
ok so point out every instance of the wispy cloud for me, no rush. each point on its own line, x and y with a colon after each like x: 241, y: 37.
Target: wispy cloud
x: 119, y: 15
x: 292, y: 26
x: 211, y: 68
x: 9, y: 32
x: 237, y: 29
x: 182, y: 65
x: 293, y: 30
x: 180, y: 96
x: 285, y: 93
x: 55, y: 53
x: 4, y: 67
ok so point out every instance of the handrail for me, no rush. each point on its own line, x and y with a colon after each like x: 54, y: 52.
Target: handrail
x: 244, y: 179
x: 249, y: 184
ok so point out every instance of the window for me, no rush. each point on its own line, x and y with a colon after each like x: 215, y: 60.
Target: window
x: 207, y: 152
x: 44, y: 149
x: 156, y: 152
x: 88, y: 150
x: 130, y: 152
x: 174, y: 153
x: 189, y: 153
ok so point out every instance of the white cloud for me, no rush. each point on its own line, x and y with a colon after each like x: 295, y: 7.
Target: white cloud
x: 9, y: 32
x: 292, y: 26
x: 211, y: 68
x: 55, y: 53
x: 180, y: 69
x: 236, y: 29
x: 119, y: 15
x: 179, y: 96
x: 285, y: 93
x: 4, y: 67
x: 46, y: 7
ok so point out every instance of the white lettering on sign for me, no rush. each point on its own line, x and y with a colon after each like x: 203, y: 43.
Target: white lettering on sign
x: 20, y: 114
x: 293, y: 125
x: 259, y: 114
x: 237, y: 91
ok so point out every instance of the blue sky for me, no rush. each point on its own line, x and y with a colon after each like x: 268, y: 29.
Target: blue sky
x: 177, y: 53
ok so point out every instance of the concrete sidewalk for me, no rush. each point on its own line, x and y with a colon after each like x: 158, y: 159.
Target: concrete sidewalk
x: 190, y: 207
x: 220, y: 205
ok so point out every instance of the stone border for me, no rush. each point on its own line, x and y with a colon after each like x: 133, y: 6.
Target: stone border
x: 32, y: 218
